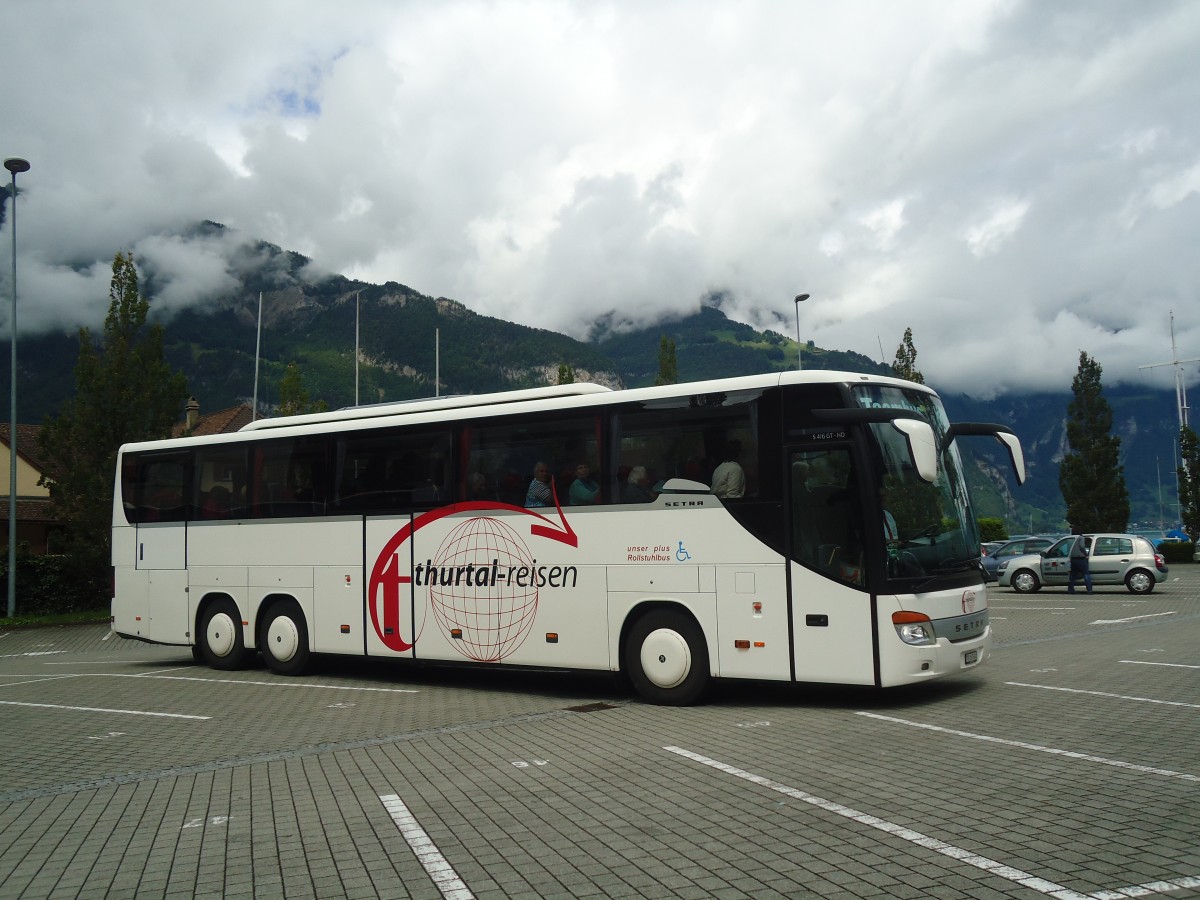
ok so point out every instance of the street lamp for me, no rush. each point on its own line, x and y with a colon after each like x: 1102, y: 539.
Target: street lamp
x: 14, y: 165
x: 800, y: 298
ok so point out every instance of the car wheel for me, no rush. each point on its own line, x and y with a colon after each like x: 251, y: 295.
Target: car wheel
x: 1139, y: 581
x: 219, y: 639
x: 1024, y: 581
x: 666, y: 658
x: 284, y: 639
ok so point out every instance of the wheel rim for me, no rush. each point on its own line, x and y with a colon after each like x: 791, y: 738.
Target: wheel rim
x: 666, y: 658
x: 283, y: 638
x: 1023, y: 581
x: 221, y: 634
x: 1139, y: 582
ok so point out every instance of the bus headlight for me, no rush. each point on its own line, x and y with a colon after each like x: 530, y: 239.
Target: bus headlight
x: 914, y: 628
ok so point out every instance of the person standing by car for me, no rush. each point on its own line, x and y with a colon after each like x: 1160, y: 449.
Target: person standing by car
x: 1079, y: 565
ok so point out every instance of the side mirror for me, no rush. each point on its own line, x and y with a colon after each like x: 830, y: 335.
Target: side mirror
x: 1015, y: 454
x: 922, y: 446
x: 1002, y: 433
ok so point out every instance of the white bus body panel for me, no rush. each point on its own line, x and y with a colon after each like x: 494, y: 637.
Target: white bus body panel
x: 161, y: 545
x: 752, y: 610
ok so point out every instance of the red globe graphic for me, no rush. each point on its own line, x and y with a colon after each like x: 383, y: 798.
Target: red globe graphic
x: 494, y: 618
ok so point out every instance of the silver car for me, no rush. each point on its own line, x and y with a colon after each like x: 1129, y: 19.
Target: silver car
x: 1126, y: 559
x: 1009, y: 549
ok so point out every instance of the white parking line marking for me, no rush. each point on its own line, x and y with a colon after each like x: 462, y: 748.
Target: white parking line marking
x: 1069, y: 754
x: 36, y: 679
x: 1010, y: 873
x: 1143, y: 662
x: 124, y: 712
x: 1036, y: 609
x: 427, y: 853
x: 34, y: 653
x: 1132, y: 618
x: 289, y: 684
x: 1047, y: 687
x: 102, y: 662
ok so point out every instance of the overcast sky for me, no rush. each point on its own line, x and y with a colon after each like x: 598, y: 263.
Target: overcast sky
x: 1015, y: 181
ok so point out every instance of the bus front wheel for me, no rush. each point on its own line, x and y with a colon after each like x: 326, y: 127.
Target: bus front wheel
x: 284, y: 641
x: 219, y: 642
x: 666, y: 658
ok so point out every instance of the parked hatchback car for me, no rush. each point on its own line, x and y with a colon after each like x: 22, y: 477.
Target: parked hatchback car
x: 1009, y: 549
x: 1126, y: 559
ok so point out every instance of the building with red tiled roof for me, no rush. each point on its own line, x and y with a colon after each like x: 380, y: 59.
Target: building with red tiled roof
x: 34, y: 524
x: 223, y: 421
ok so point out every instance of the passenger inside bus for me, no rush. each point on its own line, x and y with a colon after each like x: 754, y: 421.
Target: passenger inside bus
x: 584, y: 489
x: 728, y: 479
x: 637, y: 486
x: 538, y: 492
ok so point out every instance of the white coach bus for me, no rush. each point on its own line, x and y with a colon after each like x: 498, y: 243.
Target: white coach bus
x: 805, y: 527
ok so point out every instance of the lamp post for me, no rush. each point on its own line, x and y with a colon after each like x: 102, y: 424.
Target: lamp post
x: 14, y: 165
x: 800, y: 298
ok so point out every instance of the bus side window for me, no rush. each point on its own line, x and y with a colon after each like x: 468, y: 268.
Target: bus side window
x: 289, y: 478
x: 161, y: 488
x: 512, y: 451
x: 391, y: 469
x: 220, y: 483
x: 690, y: 437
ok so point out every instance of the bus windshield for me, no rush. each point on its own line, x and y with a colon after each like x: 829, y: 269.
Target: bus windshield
x: 930, y: 529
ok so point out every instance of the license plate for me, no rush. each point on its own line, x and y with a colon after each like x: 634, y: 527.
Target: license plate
x: 970, y: 657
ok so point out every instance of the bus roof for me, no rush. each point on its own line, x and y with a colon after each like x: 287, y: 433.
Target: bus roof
x: 409, y: 407
x: 520, y: 401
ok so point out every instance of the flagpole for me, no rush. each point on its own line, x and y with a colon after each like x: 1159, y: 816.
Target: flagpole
x: 356, y: 348
x: 257, y: 347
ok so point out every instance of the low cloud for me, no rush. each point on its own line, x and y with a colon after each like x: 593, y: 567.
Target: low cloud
x: 1014, y: 183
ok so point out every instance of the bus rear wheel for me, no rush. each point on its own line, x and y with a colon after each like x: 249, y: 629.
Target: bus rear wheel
x: 666, y: 658
x: 219, y: 642
x: 284, y: 641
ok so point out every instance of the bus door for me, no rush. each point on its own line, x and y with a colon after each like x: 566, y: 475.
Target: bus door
x: 832, y: 622
x: 161, y: 544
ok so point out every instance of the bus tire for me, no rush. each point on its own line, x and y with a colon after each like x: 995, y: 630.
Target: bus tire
x: 219, y: 642
x: 1139, y: 581
x: 284, y: 641
x: 1024, y: 581
x: 666, y: 658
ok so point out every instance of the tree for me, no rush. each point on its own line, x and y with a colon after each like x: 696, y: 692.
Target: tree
x: 668, y: 371
x: 124, y: 391
x: 992, y: 528
x: 1090, y: 476
x: 293, y: 396
x: 905, y: 364
x: 566, y: 374
x: 1189, y: 481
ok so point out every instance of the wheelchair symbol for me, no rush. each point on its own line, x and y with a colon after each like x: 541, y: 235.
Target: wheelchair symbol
x: 681, y: 554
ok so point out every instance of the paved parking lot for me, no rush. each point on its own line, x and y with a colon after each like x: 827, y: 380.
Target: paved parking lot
x: 1068, y: 767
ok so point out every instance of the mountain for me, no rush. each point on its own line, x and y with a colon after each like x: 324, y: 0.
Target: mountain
x: 408, y: 339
